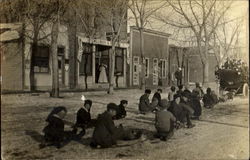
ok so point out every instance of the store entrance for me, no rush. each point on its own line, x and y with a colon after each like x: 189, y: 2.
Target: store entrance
x: 102, y: 64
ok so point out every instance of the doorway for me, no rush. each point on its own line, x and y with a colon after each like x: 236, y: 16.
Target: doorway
x: 61, y: 64
x: 102, y: 64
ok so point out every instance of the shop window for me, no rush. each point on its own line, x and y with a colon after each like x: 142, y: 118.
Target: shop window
x: 41, y: 59
x: 85, y: 67
x: 147, y: 67
x: 119, y: 61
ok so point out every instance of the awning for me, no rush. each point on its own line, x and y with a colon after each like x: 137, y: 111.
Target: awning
x: 100, y: 41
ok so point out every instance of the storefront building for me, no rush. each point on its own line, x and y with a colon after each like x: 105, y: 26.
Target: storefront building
x: 156, y: 52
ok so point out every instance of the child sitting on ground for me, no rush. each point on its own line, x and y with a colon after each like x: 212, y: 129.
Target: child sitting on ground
x: 157, y: 95
x: 164, y: 122
x: 144, y: 105
x: 121, y: 112
x: 106, y: 133
x: 54, y: 133
x: 83, y: 118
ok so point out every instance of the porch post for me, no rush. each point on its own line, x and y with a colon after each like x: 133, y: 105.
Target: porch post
x: 124, y: 67
x: 93, y: 63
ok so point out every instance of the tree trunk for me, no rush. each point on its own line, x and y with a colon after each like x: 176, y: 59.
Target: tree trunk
x: 142, y: 60
x: 72, y: 51
x: 205, y: 66
x: 111, y: 69
x: 32, y: 59
x: 85, y: 70
x: 55, y: 79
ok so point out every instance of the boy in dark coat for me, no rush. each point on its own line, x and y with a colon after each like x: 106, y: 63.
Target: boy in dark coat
x: 121, y: 112
x: 157, y: 95
x: 180, y: 87
x: 196, y: 105
x: 83, y: 118
x: 181, y: 110
x: 106, y: 133
x: 54, y: 133
x: 208, y: 99
x: 164, y: 121
x: 144, y: 105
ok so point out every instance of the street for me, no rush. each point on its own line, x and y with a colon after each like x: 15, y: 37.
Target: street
x: 222, y: 132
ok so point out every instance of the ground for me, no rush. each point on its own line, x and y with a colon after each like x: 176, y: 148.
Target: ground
x: 222, y: 132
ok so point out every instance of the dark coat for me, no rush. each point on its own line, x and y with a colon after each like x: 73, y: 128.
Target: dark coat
x: 157, y: 96
x: 54, y: 131
x: 121, y: 112
x: 144, y: 104
x: 195, y: 104
x: 83, y: 117
x: 178, y: 74
x: 208, y: 100
x: 105, y: 133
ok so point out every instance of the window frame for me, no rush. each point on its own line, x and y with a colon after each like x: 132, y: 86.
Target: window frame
x: 36, y: 58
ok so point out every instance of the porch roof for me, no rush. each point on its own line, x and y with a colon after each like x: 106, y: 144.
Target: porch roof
x: 100, y: 41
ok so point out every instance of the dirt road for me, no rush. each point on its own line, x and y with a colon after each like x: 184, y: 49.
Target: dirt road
x: 222, y: 132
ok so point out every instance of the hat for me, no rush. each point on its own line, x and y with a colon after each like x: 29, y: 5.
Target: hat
x: 111, y: 106
x: 148, y: 91
x: 88, y: 101
x: 164, y: 103
x: 124, y: 102
x: 176, y: 96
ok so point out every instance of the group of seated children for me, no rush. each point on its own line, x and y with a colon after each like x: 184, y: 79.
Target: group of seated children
x: 105, y: 133
x: 168, y: 113
x: 177, y: 111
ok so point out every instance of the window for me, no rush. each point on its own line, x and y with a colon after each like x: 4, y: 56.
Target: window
x: 163, y: 68
x: 41, y: 59
x: 85, y: 67
x: 147, y: 67
x: 119, y: 61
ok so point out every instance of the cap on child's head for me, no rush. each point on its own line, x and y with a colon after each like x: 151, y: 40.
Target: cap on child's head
x: 111, y: 106
x: 124, y: 102
x: 57, y: 110
x: 159, y: 90
x: 148, y: 91
x: 180, y: 86
x: 88, y: 102
x: 164, y: 103
x: 172, y: 88
x: 209, y: 90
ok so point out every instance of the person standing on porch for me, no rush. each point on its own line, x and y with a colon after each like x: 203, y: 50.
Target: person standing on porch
x: 178, y: 76
x: 103, y: 75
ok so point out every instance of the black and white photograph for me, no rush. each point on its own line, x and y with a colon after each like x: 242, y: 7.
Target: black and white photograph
x: 124, y: 79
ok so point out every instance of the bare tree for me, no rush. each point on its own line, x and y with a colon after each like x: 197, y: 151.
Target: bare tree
x: 116, y: 11
x: 197, y: 16
x: 88, y: 14
x: 59, y: 10
x: 227, y: 36
x: 142, y: 10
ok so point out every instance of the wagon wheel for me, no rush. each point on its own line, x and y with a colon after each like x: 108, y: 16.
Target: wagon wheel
x: 245, y: 90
